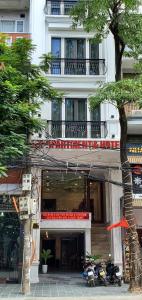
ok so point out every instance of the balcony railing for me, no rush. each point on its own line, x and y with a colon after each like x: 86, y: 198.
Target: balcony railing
x: 69, y: 66
x: 61, y: 7
x: 77, y: 129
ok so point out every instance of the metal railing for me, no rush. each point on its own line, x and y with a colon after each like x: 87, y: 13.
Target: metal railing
x: 62, y: 7
x: 77, y: 129
x: 67, y: 66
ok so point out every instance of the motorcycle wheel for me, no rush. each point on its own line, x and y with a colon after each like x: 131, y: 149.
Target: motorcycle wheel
x: 119, y: 282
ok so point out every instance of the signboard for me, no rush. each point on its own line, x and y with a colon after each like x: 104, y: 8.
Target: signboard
x: 78, y: 144
x: 137, y: 179
x: 65, y: 215
x: 134, y: 149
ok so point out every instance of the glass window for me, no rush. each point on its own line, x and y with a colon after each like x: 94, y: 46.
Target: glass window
x: 75, y: 48
x: 94, y: 50
x: 56, y: 47
x: 55, y: 7
x: 75, y: 109
x: 20, y: 26
x: 56, y: 110
x: 7, y: 26
x: 56, y: 53
x: 95, y: 114
x: 69, y: 110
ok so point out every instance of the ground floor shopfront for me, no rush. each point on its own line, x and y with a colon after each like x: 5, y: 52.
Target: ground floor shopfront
x: 76, y: 204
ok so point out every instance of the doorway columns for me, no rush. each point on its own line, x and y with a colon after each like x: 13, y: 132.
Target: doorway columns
x: 87, y: 241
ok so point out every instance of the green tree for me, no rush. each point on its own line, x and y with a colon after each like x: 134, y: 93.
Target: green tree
x: 123, y: 20
x: 23, y: 89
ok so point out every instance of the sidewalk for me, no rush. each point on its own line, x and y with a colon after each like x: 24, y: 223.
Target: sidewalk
x: 66, y: 287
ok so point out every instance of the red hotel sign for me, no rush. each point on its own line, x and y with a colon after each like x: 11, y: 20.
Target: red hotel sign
x: 64, y: 215
x: 78, y: 144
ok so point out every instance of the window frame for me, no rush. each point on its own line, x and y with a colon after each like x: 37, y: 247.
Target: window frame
x: 15, y: 25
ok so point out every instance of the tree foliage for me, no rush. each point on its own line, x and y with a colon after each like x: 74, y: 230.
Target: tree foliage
x: 118, y: 16
x: 119, y: 93
x: 23, y: 88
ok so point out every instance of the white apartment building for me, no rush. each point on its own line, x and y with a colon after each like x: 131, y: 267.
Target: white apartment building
x: 75, y: 201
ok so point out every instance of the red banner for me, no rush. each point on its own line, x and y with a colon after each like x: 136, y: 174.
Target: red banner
x: 64, y: 215
x: 78, y: 144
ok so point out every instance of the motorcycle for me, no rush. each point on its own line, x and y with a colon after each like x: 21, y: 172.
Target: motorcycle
x: 113, y: 274
x: 90, y: 277
x: 101, y: 274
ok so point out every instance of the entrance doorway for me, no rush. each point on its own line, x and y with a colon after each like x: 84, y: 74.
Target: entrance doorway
x: 67, y: 249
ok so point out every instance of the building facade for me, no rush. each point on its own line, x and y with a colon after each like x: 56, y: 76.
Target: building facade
x: 78, y: 154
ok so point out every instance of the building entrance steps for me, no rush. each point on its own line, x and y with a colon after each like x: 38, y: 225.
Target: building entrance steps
x: 100, y: 241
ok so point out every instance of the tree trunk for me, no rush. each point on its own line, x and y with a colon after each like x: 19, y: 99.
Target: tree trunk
x: 135, y: 254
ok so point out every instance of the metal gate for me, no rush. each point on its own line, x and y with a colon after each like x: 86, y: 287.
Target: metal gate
x: 9, y: 247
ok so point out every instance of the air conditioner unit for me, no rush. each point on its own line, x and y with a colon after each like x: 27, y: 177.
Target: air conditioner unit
x: 137, y: 113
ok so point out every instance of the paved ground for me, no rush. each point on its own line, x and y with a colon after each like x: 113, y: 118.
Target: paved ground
x: 67, y: 286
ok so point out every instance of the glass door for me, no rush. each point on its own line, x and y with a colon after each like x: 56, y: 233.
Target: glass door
x: 75, y: 118
x: 75, y: 56
x: 56, y: 53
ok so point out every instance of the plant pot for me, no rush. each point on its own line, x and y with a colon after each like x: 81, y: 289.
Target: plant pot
x: 44, y: 269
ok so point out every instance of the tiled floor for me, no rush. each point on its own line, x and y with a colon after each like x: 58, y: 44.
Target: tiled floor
x: 61, y: 285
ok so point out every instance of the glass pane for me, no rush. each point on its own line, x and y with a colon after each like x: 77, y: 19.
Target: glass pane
x: 56, y: 47
x: 20, y: 27
x: 56, y: 111
x: 95, y: 114
x: 82, y: 110
x: 55, y: 7
x: 71, y: 48
x: 56, y: 52
x: 7, y: 26
x: 69, y: 110
x: 80, y: 48
x: 94, y: 51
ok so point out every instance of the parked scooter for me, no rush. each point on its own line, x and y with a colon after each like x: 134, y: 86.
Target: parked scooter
x: 90, y: 277
x: 101, y: 274
x: 113, y: 274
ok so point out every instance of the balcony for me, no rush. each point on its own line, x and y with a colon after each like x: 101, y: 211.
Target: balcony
x: 62, y: 7
x: 14, y: 4
x: 69, y: 66
x: 77, y: 129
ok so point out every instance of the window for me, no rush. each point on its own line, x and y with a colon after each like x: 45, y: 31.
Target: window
x: 75, y: 48
x: 19, y: 26
x: 55, y: 7
x: 94, y: 58
x: 56, y: 124
x: 11, y: 26
x: 76, y: 116
x: 75, y: 54
x: 56, y: 110
x: 56, y: 53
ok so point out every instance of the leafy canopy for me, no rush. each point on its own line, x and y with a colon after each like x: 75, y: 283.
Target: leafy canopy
x: 23, y: 88
x: 119, y: 93
x: 121, y: 17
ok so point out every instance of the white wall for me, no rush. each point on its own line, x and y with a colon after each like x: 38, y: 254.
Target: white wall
x: 37, y: 27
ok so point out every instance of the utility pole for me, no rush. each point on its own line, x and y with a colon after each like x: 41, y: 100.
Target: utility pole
x: 25, y: 216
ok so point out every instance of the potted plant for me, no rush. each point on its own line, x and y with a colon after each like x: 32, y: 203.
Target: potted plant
x: 45, y: 255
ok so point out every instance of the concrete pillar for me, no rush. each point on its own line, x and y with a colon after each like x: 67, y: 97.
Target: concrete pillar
x: 88, y: 241
x: 116, y: 240
x: 35, y: 253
